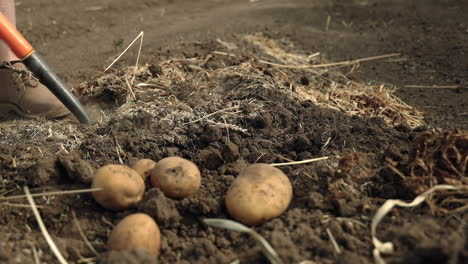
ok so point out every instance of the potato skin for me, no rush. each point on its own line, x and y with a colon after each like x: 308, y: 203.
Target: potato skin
x: 122, y: 187
x: 136, y: 231
x: 144, y: 167
x: 260, y: 192
x: 176, y: 177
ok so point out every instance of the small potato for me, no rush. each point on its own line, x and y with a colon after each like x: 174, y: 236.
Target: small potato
x: 144, y: 167
x: 176, y: 177
x: 260, y: 192
x: 121, y: 187
x: 136, y: 231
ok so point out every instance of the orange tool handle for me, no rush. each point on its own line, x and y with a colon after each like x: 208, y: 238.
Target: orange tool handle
x: 13, y: 38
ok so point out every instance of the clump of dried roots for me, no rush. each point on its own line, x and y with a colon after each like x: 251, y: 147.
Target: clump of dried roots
x: 438, y: 157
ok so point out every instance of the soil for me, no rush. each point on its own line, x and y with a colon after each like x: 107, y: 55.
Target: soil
x: 223, y: 123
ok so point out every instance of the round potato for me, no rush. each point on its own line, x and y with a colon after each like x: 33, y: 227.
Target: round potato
x: 176, y: 177
x: 136, y: 231
x: 144, y: 167
x: 121, y: 187
x: 260, y: 192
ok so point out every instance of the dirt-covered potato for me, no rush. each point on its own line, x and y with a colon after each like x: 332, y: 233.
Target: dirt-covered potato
x: 121, y: 187
x: 144, y: 167
x: 176, y: 177
x: 260, y: 192
x: 136, y: 231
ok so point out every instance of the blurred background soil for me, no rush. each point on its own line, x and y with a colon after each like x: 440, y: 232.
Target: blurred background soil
x: 80, y: 38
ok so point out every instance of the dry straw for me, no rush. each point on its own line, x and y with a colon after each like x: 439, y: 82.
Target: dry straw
x: 50, y: 194
x: 140, y: 36
x: 337, y: 91
x: 298, y: 162
x: 154, y: 84
x: 83, y: 236
x: 333, y: 241
x: 43, y: 228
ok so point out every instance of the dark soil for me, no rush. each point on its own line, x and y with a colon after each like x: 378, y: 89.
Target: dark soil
x: 255, y: 122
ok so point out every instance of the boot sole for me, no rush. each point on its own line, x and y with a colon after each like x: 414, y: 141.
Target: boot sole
x: 6, y: 109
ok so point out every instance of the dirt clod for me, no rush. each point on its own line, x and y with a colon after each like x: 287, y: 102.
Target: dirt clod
x: 211, y: 158
x: 76, y: 168
x: 202, y: 206
x: 161, y: 208
x: 43, y: 172
x: 230, y: 152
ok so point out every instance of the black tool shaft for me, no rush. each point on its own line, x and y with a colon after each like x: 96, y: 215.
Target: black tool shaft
x: 42, y: 71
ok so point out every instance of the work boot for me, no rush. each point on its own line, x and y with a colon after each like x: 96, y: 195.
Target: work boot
x: 22, y: 93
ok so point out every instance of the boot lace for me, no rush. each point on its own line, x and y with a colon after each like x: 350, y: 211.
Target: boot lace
x: 23, y: 77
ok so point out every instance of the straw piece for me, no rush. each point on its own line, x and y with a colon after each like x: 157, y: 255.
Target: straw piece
x: 298, y: 162
x: 214, y: 113
x: 121, y: 54
x: 35, y: 254
x: 340, y: 63
x: 433, y: 86
x: 18, y: 205
x: 44, y: 231
x: 335, y: 244
x: 50, y: 194
x: 85, y: 239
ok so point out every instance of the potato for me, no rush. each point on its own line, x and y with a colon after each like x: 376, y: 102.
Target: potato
x: 144, y: 167
x: 176, y: 177
x: 136, y: 231
x: 121, y: 187
x: 260, y: 192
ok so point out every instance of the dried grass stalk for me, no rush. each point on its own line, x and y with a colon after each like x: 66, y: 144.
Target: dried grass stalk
x: 437, y: 157
x: 44, y: 231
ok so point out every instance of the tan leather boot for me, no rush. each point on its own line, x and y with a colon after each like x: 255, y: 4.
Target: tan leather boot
x: 22, y: 93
